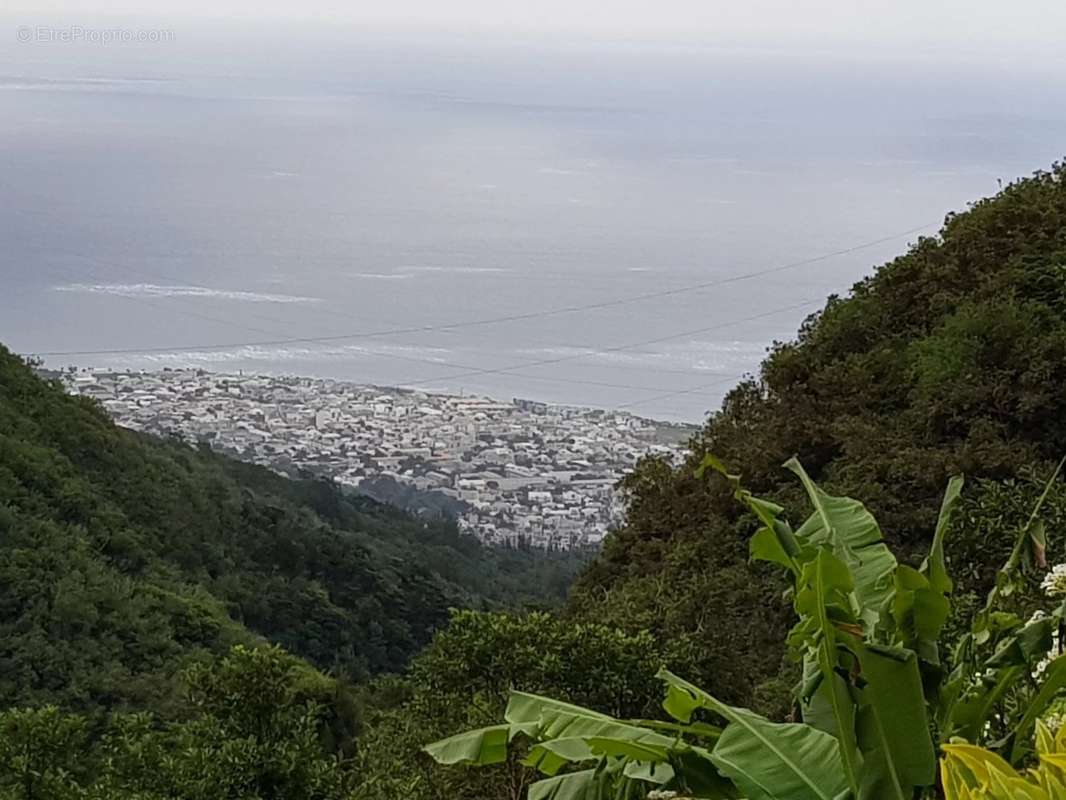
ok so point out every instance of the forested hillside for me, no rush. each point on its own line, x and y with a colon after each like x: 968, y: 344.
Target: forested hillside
x: 130, y: 566
x: 949, y: 359
x: 124, y: 558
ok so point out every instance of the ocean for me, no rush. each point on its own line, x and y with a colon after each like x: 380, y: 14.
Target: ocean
x: 611, y: 224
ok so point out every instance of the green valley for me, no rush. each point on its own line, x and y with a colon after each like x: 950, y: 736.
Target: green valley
x: 177, y: 624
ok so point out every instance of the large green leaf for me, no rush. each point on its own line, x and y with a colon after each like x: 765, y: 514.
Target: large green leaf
x: 920, y: 606
x: 893, y: 724
x: 523, y: 707
x: 766, y: 545
x: 823, y: 590
x: 480, y: 747
x: 855, y: 538
x: 698, y: 730
x: 775, y: 541
x: 935, y: 566
x: 816, y: 705
x: 564, y: 737
x: 652, y: 772
x: 769, y: 761
x: 551, y: 756
x: 572, y: 786
x: 699, y: 777
x: 631, y: 749
x: 919, y: 611
x: 561, y: 724
x: 766, y: 760
x: 566, y: 733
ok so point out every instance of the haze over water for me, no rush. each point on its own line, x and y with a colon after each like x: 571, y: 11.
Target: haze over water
x: 239, y: 186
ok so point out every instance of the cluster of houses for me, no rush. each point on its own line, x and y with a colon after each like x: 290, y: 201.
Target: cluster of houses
x: 520, y: 473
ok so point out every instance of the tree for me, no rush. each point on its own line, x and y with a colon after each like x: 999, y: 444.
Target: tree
x: 41, y: 754
x: 949, y: 359
x: 257, y: 735
x: 877, y: 694
x: 464, y: 679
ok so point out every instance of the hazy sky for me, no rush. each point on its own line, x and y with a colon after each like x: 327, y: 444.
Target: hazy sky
x: 968, y: 25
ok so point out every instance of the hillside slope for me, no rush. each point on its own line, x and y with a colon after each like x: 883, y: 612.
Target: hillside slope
x: 951, y: 358
x: 123, y: 557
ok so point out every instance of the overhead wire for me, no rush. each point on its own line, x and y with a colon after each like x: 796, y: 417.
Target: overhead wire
x: 702, y: 286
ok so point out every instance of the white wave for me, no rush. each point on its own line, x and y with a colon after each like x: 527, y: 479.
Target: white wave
x: 156, y: 290
x: 759, y: 173
x: 287, y: 353
x: 697, y: 356
x: 379, y: 276
x: 22, y: 83
x: 457, y: 270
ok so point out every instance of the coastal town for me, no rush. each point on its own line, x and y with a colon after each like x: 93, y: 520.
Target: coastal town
x: 517, y: 473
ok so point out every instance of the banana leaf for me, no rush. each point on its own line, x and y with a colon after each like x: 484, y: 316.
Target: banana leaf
x: 766, y: 760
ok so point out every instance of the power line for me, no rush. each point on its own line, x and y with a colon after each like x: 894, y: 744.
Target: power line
x: 618, y: 348
x: 469, y: 371
x: 472, y: 371
x: 679, y: 392
x: 494, y: 320
x: 514, y: 370
x: 140, y: 273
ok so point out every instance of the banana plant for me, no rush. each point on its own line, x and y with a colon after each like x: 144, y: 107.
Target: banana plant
x: 608, y: 758
x: 874, y: 692
x: 867, y: 629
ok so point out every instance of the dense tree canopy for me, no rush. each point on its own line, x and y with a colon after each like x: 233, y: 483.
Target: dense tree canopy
x: 949, y: 359
x: 463, y: 680
x: 256, y: 727
x: 123, y: 558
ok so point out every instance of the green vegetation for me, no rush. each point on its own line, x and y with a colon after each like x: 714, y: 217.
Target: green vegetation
x: 876, y: 695
x: 124, y: 558
x: 256, y: 728
x: 949, y: 360
x: 145, y: 587
x: 973, y: 773
x: 463, y: 679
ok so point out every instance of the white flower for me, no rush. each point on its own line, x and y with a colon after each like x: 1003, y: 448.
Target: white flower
x: 1054, y: 583
x: 1055, y: 721
x: 1045, y: 662
x: 1038, y: 615
x: 1041, y: 666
